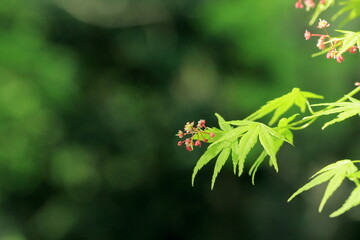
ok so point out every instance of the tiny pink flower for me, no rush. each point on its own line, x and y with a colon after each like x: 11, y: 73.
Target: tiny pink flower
x: 189, y: 148
x: 323, y: 24
x: 353, y: 49
x: 197, y: 143
x: 307, y: 35
x: 189, y: 127
x: 180, y: 134
x: 298, y: 4
x: 206, y: 140
x: 212, y: 135
x: 322, y: 2
x: 180, y: 143
x: 357, y: 84
x: 309, y: 4
x: 321, y: 43
x: 329, y: 55
x: 201, y: 123
x: 332, y: 53
x: 188, y: 141
x: 340, y: 58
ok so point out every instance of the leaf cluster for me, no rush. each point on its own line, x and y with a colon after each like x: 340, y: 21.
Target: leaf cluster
x: 344, y: 110
x: 235, y: 139
x: 239, y: 137
x: 335, y: 174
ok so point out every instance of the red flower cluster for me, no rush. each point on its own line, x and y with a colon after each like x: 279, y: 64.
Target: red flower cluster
x: 199, y: 130
x: 331, y: 42
x: 308, y: 4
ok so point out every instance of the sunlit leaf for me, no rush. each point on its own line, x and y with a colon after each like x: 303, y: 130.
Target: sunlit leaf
x: 345, y: 110
x: 282, y: 104
x: 246, y: 143
x: 349, y: 41
x: 222, y: 123
x: 334, y: 173
x: 231, y: 135
x: 352, y: 201
x: 334, y: 184
x: 223, y: 156
x: 235, y: 154
x: 209, y: 154
x: 268, y: 142
x: 256, y: 165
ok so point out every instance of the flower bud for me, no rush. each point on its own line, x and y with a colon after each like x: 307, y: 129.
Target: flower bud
x: 189, y: 148
x: 201, y: 123
x: 180, y: 134
x: 340, y: 58
x: 189, y: 127
x: 299, y: 5
x: 307, y: 35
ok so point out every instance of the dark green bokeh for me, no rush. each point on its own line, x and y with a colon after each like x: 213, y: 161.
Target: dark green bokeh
x: 93, y: 92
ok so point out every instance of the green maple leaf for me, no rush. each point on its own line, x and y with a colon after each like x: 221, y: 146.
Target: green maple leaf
x: 334, y: 173
x: 345, y: 110
x: 282, y: 104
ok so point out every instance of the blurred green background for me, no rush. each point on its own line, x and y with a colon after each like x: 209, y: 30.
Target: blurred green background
x: 93, y: 92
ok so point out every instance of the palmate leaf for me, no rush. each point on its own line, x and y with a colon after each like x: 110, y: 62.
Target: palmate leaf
x: 345, y: 110
x: 237, y: 142
x: 282, y: 104
x: 334, y: 173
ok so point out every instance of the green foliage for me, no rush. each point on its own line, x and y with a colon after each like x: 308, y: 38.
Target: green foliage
x: 351, y: 7
x: 238, y: 137
x: 349, y: 39
x: 335, y: 173
x: 345, y: 110
x: 345, y: 41
x: 282, y: 104
x: 239, y: 141
x: 352, y: 201
x: 320, y: 8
